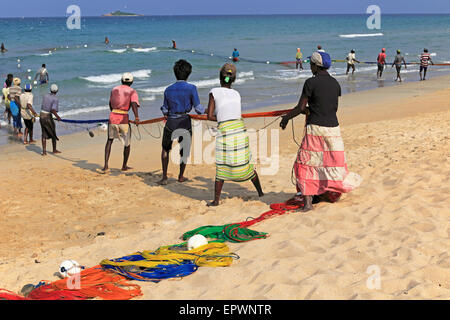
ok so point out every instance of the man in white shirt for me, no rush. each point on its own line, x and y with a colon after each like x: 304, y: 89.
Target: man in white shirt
x: 351, y: 59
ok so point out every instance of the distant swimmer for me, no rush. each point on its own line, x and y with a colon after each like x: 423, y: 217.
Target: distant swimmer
x: 106, y: 40
x: 319, y: 48
x: 174, y: 44
x: 235, y: 55
x: 398, y: 60
x: 425, y: 60
x: 381, y: 62
x: 2, y: 48
x: 351, y: 59
x: 298, y: 59
x: 43, y: 75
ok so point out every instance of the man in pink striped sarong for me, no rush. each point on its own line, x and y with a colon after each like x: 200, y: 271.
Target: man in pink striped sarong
x: 320, y: 168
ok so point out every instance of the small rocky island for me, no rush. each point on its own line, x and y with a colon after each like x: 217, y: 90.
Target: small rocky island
x: 121, y: 14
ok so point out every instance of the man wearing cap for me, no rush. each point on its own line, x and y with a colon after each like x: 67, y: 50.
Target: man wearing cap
x: 179, y: 99
x: 28, y: 113
x: 122, y: 98
x: 398, y: 64
x: 14, y: 94
x: 298, y: 59
x: 320, y: 167
x: 319, y: 48
x: 381, y: 62
x: 49, y: 109
x: 351, y: 59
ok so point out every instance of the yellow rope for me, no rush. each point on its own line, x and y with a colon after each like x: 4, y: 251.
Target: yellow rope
x: 213, y: 254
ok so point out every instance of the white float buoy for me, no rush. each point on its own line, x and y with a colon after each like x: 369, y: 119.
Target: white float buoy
x: 69, y: 268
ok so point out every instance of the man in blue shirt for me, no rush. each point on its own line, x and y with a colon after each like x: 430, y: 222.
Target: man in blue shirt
x: 179, y: 99
x: 235, y: 55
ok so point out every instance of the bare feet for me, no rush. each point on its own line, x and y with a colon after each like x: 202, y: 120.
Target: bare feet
x: 126, y: 168
x: 32, y: 141
x: 182, y: 179
x: 213, y: 204
x: 56, y: 151
x: 163, y: 182
x: 25, y: 142
x: 44, y: 153
x: 103, y: 170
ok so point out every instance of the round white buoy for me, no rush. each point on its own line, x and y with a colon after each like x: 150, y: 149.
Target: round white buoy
x: 29, y: 70
x: 18, y: 60
x: 69, y: 268
x: 196, y: 241
x: 29, y: 77
x: 104, y: 127
x: 34, y: 82
x: 18, y: 66
x: 268, y: 62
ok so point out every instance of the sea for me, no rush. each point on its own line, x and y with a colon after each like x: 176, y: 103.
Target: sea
x: 86, y: 69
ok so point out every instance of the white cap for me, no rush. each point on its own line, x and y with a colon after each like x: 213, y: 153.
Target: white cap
x: 127, y: 77
x: 54, y: 88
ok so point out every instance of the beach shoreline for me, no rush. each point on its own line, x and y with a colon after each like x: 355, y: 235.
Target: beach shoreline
x: 395, y: 138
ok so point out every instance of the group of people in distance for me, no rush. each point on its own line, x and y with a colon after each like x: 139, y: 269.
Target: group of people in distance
x: 399, y: 60
x: 19, y: 104
x: 318, y: 177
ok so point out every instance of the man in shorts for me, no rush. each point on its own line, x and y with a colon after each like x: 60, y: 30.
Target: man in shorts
x: 122, y: 98
x: 28, y: 113
x: 425, y: 60
x: 179, y: 99
x: 398, y: 60
x: 381, y: 62
x: 351, y: 59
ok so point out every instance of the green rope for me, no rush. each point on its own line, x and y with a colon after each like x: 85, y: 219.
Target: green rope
x: 228, y: 232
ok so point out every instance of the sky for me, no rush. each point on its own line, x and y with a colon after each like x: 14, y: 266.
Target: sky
x: 58, y: 8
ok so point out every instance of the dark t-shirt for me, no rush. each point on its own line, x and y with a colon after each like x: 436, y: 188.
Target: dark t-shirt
x: 323, y: 92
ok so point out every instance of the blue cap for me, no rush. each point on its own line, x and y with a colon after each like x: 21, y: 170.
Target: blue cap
x: 28, y: 87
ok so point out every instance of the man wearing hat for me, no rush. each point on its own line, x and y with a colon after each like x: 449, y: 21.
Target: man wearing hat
x: 49, y: 109
x: 320, y: 168
x: 351, y: 59
x: 14, y: 94
x: 122, y: 98
x: 381, y: 62
x: 28, y: 113
x: 398, y: 64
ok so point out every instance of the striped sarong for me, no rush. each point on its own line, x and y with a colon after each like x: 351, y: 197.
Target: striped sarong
x: 321, y: 165
x: 233, y: 152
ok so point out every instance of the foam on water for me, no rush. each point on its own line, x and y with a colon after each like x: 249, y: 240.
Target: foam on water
x: 144, y: 49
x: 357, y: 35
x: 115, y: 77
x: 72, y: 112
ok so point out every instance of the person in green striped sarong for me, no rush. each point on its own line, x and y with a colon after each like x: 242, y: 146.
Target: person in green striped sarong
x: 233, y: 154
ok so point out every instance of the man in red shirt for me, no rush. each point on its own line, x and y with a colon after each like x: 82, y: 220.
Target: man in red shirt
x: 381, y: 61
x: 122, y: 98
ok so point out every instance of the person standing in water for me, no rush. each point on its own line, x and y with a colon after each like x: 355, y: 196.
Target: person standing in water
x: 43, y: 75
x: 233, y: 155
x: 425, y: 60
x: 106, y: 40
x: 14, y: 94
x: 235, y: 55
x: 381, y: 62
x: 298, y: 59
x: 174, y: 44
x: 122, y: 99
x: 49, y: 109
x: 2, y: 48
x: 398, y: 60
x: 351, y: 59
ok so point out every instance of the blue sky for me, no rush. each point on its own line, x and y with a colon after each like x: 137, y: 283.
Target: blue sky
x: 45, y: 8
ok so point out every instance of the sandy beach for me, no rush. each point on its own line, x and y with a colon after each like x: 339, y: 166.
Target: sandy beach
x: 397, y: 138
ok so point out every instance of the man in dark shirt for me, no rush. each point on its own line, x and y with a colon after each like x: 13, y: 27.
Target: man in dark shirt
x: 320, y: 168
x: 179, y: 99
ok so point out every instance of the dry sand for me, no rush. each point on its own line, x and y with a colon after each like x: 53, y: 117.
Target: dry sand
x: 397, y: 138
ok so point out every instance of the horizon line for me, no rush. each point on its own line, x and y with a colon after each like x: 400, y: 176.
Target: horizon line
x: 136, y: 15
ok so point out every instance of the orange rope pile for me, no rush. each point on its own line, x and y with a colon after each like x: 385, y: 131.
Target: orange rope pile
x: 93, y: 283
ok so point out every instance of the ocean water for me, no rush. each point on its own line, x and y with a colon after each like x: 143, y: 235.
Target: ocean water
x: 86, y: 69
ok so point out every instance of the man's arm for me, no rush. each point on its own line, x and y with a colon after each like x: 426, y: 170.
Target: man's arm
x: 29, y: 106
x: 135, y: 107
x: 195, y: 100
x: 211, y: 108
x: 55, y: 113
x: 300, y: 108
